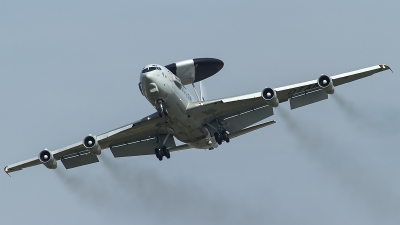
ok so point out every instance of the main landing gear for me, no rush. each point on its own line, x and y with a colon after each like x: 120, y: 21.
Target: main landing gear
x: 163, y: 151
x: 162, y: 110
x: 223, y: 136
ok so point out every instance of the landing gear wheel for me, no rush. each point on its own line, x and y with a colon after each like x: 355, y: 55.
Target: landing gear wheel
x: 217, y: 137
x: 225, y: 136
x: 160, y: 112
x: 165, y: 152
x: 158, y: 154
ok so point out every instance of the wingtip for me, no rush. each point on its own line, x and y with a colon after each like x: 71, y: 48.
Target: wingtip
x: 6, y: 170
x: 386, y: 67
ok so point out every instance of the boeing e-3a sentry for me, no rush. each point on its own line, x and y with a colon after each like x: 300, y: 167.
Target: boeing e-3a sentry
x: 199, y: 123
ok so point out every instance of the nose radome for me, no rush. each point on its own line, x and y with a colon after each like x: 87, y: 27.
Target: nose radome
x: 149, y: 76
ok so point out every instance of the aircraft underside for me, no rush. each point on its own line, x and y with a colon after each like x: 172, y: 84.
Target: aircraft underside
x: 197, y: 122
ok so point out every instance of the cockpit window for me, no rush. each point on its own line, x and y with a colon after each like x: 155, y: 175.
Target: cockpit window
x: 145, y: 70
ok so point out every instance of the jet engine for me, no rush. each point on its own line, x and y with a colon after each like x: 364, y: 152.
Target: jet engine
x: 326, y: 84
x: 91, y: 144
x: 47, y: 158
x: 270, y: 97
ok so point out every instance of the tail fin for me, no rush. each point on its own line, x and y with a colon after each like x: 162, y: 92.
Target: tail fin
x: 203, y: 94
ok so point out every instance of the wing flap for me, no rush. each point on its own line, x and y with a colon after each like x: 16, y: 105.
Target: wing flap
x: 76, y: 160
x: 210, y: 110
x: 74, y: 148
x: 140, y: 148
x: 145, y: 147
x: 308, y: 99
x: 250, y: 129
x: 246, y: 119
x: 142, y: 129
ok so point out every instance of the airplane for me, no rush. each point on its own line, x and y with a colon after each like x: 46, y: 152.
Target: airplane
x: 197, y: 122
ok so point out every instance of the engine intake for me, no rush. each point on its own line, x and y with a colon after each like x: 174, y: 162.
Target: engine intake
x: 270, y: 97
x: 47, y: 158
x: 91, y: 144
x: 326, y: 84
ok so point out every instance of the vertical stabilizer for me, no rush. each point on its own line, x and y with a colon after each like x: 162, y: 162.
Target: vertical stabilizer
x: 203, y: 94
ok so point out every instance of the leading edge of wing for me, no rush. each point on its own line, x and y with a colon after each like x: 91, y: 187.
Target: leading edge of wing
x: 23, y: 164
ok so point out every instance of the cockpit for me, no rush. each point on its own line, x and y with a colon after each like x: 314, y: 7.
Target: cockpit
x: 150, y: 68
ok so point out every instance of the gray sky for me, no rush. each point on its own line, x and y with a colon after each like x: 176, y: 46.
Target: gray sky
x: 70, y: 69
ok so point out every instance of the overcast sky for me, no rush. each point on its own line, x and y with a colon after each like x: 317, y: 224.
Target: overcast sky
x: 69, y: 69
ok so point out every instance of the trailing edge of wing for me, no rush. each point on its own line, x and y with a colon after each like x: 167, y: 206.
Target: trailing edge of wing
x: 252, y: 128
x: 234, y: 135
x: 180, y: 147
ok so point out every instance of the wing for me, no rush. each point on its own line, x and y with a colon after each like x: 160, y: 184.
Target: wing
x: 76, y: 154
x: 226, y: 108
x: 291, y: 91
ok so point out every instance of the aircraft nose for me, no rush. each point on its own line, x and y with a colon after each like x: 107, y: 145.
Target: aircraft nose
x: 149, y: 77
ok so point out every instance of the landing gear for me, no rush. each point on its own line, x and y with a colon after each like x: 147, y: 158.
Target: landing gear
x: 223, y: 136
x: 158, y: 154
x: 218, y: 138
x: 165, y: 152
x: 162, y: 110
x: 161, y: 152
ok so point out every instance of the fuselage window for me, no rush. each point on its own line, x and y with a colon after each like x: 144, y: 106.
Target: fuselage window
x: 145, y: 70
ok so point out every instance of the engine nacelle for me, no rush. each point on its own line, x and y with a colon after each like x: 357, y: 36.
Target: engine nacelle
x: 270, y: 97
x: 326, y: 84
x: 47, y: 158
x: 91, y: 144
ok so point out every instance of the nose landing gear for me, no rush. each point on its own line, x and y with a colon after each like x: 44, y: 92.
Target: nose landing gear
x: 162, y: 110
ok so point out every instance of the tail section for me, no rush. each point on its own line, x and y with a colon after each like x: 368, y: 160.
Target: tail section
x: 203, y: 94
